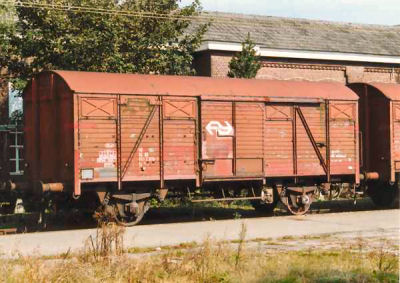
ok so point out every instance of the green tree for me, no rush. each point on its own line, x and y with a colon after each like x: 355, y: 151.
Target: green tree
x: 7, y: 29
x: 245, y: 64
x: 133, y: 36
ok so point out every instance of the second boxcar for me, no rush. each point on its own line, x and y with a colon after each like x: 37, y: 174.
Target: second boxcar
x: 380, y: 132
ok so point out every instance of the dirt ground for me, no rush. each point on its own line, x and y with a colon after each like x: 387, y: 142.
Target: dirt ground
x: 337, y: 228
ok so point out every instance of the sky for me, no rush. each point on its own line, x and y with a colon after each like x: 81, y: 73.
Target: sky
x: 385, y: 12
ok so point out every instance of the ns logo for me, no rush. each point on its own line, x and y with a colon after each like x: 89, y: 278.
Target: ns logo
x: 216, y: 128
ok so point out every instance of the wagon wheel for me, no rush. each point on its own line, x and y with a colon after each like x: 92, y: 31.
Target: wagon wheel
x: 127, y: 218
x: 298, y: 204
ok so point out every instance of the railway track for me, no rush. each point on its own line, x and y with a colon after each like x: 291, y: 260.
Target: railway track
x: 29, y: 222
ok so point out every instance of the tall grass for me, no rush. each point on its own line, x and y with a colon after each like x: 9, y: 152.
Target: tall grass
x: 207, y: 262
x: 242, y: 237
x: 108, y: 242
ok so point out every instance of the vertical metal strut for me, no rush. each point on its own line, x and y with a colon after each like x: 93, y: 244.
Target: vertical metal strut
x: 294, y: 137
x: 119, y: 143
x: 328, y: 142
x: 161, y: 140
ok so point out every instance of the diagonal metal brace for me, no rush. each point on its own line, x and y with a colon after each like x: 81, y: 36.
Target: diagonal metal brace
x: 138, y: 141
x: 310, y: 136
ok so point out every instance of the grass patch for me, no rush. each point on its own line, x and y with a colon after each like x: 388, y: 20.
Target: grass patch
x: 140, y: 250
x: 185, y: 203
x: 181, y: 246
x: 105, y: 260
x: 272, y: 243
x: 210, y: 262
x: 287, y: 238
x: 316, y: 237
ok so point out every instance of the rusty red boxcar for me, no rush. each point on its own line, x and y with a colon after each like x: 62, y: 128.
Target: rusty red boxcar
x: 380, y: 132
x: 129, y: 138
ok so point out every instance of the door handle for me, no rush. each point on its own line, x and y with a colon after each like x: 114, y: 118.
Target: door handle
x: 208, y: 161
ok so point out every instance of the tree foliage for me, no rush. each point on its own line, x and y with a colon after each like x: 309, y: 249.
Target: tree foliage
x: 245, y: 64
x: 113, y: 41
x: 7, y: 30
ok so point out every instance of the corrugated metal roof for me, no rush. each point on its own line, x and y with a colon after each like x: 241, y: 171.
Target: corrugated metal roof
x: 109, y: 83
x: 391, y: 91
x: 303, y: 34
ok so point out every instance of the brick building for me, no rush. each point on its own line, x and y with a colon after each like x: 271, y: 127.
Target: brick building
x: 299, y: 49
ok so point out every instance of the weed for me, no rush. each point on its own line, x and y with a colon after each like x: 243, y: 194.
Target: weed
x: 242, y: 236
x: 384, y: 261
x: 109, y: 241
x: 237, y: 215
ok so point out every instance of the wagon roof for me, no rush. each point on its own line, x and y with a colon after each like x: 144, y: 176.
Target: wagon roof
x: 112, y: 83
x: 391, y: 91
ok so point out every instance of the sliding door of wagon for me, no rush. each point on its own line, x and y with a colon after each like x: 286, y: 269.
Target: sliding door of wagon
x: 179, y: 138
x: 295, y: 140
x: 139, y: 138
x: 97, y: 138
x: 249, y: 122
x: 310, y: 139
x: 279, y: 141
x: 343, y: 138
x: 217, y: 138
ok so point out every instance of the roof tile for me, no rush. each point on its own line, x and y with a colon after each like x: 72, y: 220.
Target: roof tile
x: 301, y: 34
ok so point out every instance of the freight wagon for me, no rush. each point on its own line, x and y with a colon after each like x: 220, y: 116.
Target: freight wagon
x: 380, y: 139
x: 120, y: 140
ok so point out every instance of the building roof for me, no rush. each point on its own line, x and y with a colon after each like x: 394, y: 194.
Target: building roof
x: 305, y: 35
x: 221, y: 88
